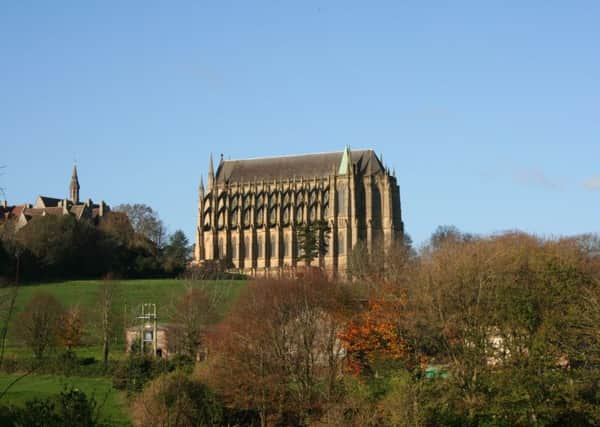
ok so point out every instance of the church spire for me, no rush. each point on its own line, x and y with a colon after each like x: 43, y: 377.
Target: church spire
x: 346, y: 163
x: 211, y: 173
x: 74, y: 187
x: 201, y: 187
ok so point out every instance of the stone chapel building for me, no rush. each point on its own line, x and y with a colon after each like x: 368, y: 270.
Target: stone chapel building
x: 44, y: 205
x: 248, y: 214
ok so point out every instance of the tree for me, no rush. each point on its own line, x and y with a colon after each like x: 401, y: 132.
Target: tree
x: 278, y: 351
x: 375, y: 334
x: 175, y: 400
x: 176, y: 254
x: 107, y: 314
x: 50, y: 240
x: 193, y: 314
x: 71, y: 407
x: 446, y: 233
x: 509, y: 319
x: 39, y: 323
x: 8, y: 294
x: 70, y: 328
x: 313, y: 240
x: 61, y: 246
x: 145, y: 221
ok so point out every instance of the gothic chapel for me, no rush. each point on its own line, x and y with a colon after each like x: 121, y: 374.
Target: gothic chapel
x: 248, y: 214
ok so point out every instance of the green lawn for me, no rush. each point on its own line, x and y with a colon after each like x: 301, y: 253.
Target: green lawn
x: 131, y: 293
x: 113, y: 407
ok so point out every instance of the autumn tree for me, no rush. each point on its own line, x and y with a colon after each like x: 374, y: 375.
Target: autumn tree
x: 70, y: 327
x: 509, y: 320
x: 278, y: 351
x: 39, y: 323
x: 375, y: 335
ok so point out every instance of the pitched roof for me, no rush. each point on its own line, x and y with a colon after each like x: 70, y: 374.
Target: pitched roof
x: 49, y: 202
x: 307, y: 165
x: 54, y: 211
x: 31, y: 212
x: 77, y: 210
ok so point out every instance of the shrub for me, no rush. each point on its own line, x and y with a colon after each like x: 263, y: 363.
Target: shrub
x: 134, y: 372
x: 173, y: 399
x: 70, y: 408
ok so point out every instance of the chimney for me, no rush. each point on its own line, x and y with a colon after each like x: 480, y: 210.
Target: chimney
x: 4, y: 203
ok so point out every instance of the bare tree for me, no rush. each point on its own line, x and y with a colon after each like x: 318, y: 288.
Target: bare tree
x: 39, y: 323
x: 193, y: 314
x: 107, y: 314
x: 145, y: 221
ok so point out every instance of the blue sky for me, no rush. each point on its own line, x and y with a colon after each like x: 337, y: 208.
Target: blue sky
x: 488, y: 111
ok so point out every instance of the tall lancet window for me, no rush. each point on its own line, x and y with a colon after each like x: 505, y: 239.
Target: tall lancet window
x: 341, y: 200
x: 260, y: 247
x: 286, y: 246
x: 259, y: 217
x: 221, y: 248
x: 273, y: 245
x: 246, y: 247
x: 234, y: 247
x: 341, y: 243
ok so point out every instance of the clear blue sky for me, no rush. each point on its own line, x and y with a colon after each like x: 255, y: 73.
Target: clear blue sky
x: 488, y: 110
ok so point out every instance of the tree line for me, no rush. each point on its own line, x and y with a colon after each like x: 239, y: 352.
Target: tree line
x: 470, y: 331
x: 130, y: 241
x: 467, y: 331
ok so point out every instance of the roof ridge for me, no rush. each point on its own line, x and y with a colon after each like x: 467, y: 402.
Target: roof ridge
x: 297, y: 155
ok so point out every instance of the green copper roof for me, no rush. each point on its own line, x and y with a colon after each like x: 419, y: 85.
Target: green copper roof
x: 346, y: 162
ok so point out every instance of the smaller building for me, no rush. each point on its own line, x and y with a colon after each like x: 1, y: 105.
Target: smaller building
x: 166, y: 342
x: 151, y: 338
x: 45, y: 205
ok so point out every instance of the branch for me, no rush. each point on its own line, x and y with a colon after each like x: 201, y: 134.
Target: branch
x: 10, y: 311
x: 16, y: 380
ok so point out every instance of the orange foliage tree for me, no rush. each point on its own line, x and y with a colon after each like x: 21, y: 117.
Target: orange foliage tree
x: 375, y: 334
x: 71, y: 327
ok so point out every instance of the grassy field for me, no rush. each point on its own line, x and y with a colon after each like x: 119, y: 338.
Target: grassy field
x: 131, y: 293
x: 41, y: 386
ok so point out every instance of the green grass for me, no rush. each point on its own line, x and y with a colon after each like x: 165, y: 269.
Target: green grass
x: 113, y: 408
x: 131, y: 293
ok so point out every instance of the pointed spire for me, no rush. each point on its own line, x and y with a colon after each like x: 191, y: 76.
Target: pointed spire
x: 211, y: 172
x: 346, y: 163
x: 201, y: 186
x: 74, y: 187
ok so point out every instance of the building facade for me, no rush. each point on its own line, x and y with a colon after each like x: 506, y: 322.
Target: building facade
x: 249, y: 213
x: 44, y: 205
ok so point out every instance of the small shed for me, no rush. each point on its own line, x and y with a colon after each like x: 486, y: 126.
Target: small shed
x: 142, y: 339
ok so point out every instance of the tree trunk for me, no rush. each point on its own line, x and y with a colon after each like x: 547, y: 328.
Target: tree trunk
x: 105, y: 335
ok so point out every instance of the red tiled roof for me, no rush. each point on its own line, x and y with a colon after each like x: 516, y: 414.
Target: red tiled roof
x: 17, y: 210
